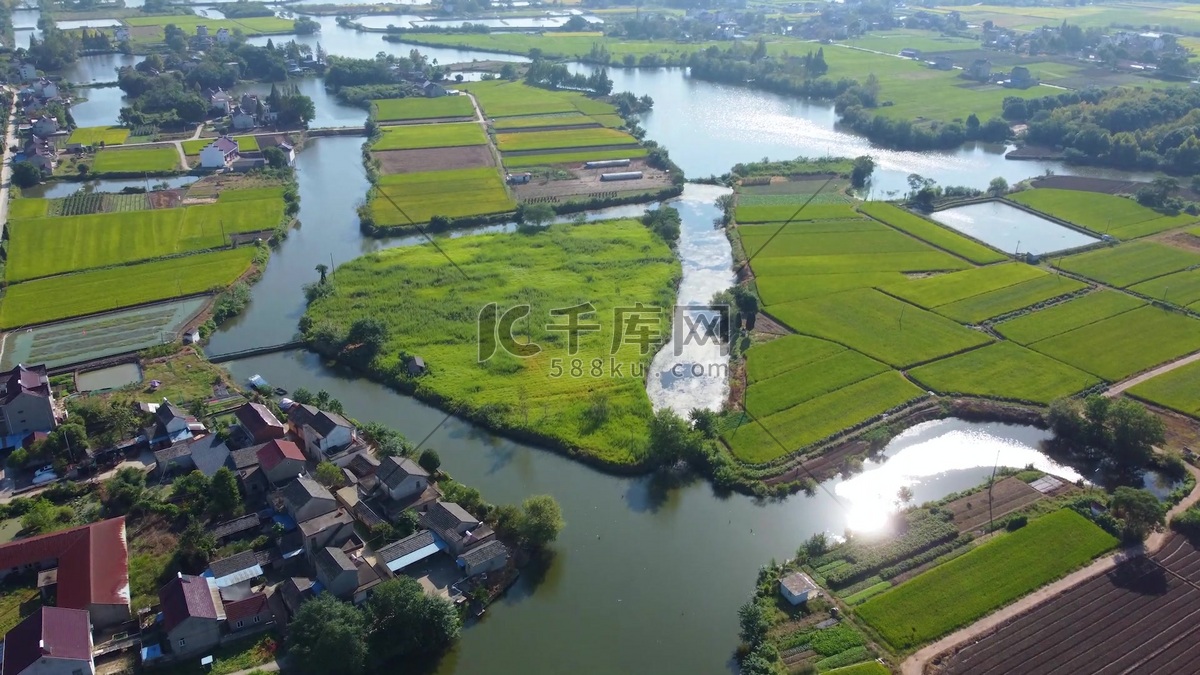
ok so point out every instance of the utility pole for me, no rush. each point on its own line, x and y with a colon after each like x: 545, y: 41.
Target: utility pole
x: 991, y: 483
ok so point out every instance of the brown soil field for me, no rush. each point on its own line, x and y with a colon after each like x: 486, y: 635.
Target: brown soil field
x: 1008, y: 495
x: 587, y: 182
x: 1142, y: 617
x: 433, y: 159
x: 1183, y: 240
x: 550, y: 151
x: 165, y: 199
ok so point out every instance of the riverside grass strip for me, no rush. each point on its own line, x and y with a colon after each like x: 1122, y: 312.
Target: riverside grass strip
x: 419, y: 136
x: 601, y: 411
x: 1127, y: 264
x: 417, y: 108
x: 819, y: 418
x: 935, y: 291
x: 879, y: 326
x: 797, y: 385
x: 1002, y: 301
x: 563, y: 138
x: 1178, y: 389
x: 1004, y: 370
x: 71, y: 295
x: 1067, y: 316
x: 931, y: 232
x: 132, y: 159
x: 1102, y: 213
x: 41, y: 247
x: 986, y: 578
x: 454, y: 194
x: 1128, y: 343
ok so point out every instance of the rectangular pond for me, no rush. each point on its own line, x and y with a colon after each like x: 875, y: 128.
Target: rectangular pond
x: 1010, y: 229
x: 113, y: 377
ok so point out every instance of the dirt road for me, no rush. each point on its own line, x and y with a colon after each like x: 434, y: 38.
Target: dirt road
x: 915, y: 664
x: 1120, y: 387
x: 10, y: 139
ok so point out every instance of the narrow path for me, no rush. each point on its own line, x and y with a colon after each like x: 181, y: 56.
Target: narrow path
x: 1120, y: 387
x: 915, y: 664
x: 183, y: 163
x: 196, y: 133
x: 483, y: 124
x: 10, y: 139
x: 271, y: 667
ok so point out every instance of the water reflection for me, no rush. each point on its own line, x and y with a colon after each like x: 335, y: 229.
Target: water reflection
x: 931, y: 457
x: 57, y: 189
x: 1008, y: 228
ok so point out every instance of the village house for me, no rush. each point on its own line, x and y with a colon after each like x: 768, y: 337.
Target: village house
x: 980, y: 69
x: 280, y: 461
x: 172, y: 425
x: 459, y: 529
x: 942, y: 63
x: 92, y: 565
x: 251, y: 478
x: 219, y: 101
x: 44, y: 89
x: 249, y: 613
x: 241, y: 119
x: 233, y: 576
x: 192, y: 614
x: 331, y: 529
x: 219, y: 154
x: 401, y: 477
x: 321, y: 433
x: 44, y: 126
x: 259, y: 423
x: 336, y: 571
x: 222, y: 36
x: 51, y: 641
x: 433, y: 89
x: 27, y: 71
x: 487, y: 557
x: 245, y: 527
x: 798, y: 588
x: 121, y: 34
x: 395, y: 557
x: 305, y: 499
x: 209, y: 454
x: 27, y: 403
x: 41, y: 153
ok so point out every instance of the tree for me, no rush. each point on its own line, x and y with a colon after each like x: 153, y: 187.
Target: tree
x: 541, y: 521
x: 998, y: 186
x: 665, y: 221
x: 25, y: 175
x: 864, y: 166
x: 328, y: 636
x: 329, y: 475
x: 705, y: 421
x: 43, y: 516
x: 83, y: 169
x: 753, y: 623
x: 904, y: 495
x: 275, y: 157
x: 429, y: 460
x: 225, y: 500
x: 122, y: 491
x: 535, y: 216
x: 191, y: 491
x: 196, y: 547
x: 1140, y: 511
x: 322, y: 269
x: 403, y: 622
x: 672, y: 439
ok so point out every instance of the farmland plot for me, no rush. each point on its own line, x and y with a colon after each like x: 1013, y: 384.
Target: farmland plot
x: 936, y: 291
x: 133, y: 160
x: 1004, y: 370
x: 454, y: 194
x: 1178, y: 389
x: 1119, y: 346
x: 1121, y: 217
x: 778, y: 393
x: 783, y: 354
x: 563, y: 138
x: 779, y: 289
x: 794, y: 211
x: 1180, y: 288
x: 1128, y: 264
x: 1067, y: 316
x: 932, y: 233
x: 416, y: 108
x: 1004, y: 300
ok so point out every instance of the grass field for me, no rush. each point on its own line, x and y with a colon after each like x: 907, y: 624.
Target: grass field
x: 430, y: 136
x: 1127, y: 264
x: 1067, y: 316
x: 563, y: 138
x: 763, y: 242
x: 133, y: 159
x: 259, y: 25
x: 943, y: 289
x: 27, y: 208
x: 525, y: 161
x: 892, y: 41
x: 101, y: 290
x: 819, y: 418
x: 804, y: 383
x: 932, y: 233
x: 96, y: 135
x: 535, y: 121
x: 1178, y: 389
x: 960, y: 591
x: 984, y: 306
x: 879, y: 326
x: 776, y: 290
x: 499, y: 98
x: 245, y: 144
x: 454, y: 194
x: 416, y: 108
x: 783, y: 354
x: 1119, y: 346
x: 784, y: 212
x: 1180, y: 288
x: 1003, y: 370
x: 46, y: 246
x: 614, y: 264
x: 1105, y: 214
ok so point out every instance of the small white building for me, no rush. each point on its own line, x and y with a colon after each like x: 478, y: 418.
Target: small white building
x: 222, y: 36
x: 219, y: 154
x: 121, y: 34
x: 798, y: 588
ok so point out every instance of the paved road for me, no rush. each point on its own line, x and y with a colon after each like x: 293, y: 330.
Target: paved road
x: 144, y: 462
x: 915, y: 664
x: 10, y: 139
x: 1120, y: 387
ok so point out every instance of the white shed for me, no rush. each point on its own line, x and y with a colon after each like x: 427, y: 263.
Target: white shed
x: 798, y: 588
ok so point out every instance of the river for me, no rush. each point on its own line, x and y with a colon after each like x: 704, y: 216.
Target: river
x: 646, y: 577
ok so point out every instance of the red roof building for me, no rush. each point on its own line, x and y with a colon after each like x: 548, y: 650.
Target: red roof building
x: 192, y: 614
x: 281, y: 461
x: 92, y: 562
x: 52, y: 639
x: 259, y: 422
x: 248, y: 612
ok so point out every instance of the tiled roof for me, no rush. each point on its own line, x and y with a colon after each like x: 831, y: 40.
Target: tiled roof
x: 93, y: 562
x: 449, y: 516
x: 235, y: 526
x: 209, y: 454
x: 185, y: 597
x: 245, y: 458
x: 333, y: 562
x: 399, y: 549
x: 485, y: 552
x: 393, y: 470
x: 225, y: 144
x: 234, y: 563
x: 258, y: 418
x: 26, y: 379
x: 246, y: 608
x: 323, y: 522
x: 271, y: 455
x: 50, y: 631
x: 303, y: 490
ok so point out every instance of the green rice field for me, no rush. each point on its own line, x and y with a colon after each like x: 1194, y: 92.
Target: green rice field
x: 1127, y: 264
x: 1067, y: 316
x: 194, y: 146
x: 793, y: 211
x: 979, y: 308
x: 803, y: 383
x: 98, y: 135
x: 1178, y: 389
x: 606, y: 415
x: 932, y: 233
x: 456, y: 193
x: 500, y: 98
x: 992, y: 575
x: 417, y: 108
x: 1120, y: 217
x: 775, y: 290
x: 563, y: 138
x: 879, y: 326
x: 27, y: 208
x: 1180, y: 288
x: 71, y: 295
x: 430, y: 136
x: 258, y: 25
x: 942, y: 289
x: 1125, y: 344
x: 134, y: 159
x: 783, y: 354
x: 536, y: 121
x: 576, y: 157
x: 1003, y: 370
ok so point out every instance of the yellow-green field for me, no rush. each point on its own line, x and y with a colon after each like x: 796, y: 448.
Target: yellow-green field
x: 456, y: 193
x: 98, y: 135
x: 416, y: 108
